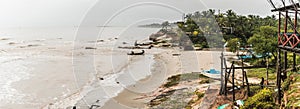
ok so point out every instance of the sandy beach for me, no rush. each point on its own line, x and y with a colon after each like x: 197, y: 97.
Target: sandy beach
x: 184, y: 63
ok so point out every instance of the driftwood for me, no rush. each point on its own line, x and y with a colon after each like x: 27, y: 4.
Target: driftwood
x: 133, y: 53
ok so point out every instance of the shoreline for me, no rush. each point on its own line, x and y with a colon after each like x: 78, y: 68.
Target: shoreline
x: 109, y: 81
x: 128, y: 99
x: 137, y: 95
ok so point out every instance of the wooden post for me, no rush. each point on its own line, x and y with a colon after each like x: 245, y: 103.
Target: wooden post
x: 295, y: 27
x: 279, y: 22
x: 286, y: 21
x: 295, y: 23
x: 243, y: 80
x: 278, y: 76
x: 226, y: 79
x: 233, y: 92
x: 294, y: 62
x: 248, y: 86
x: 285, y: 66
x: 279, y: 31
x: 227, y: 75
x: 222, y: 77
x: 267, y: 75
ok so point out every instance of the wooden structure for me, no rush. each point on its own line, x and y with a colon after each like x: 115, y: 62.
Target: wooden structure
x: 287, y: 42
x: 228, y: 72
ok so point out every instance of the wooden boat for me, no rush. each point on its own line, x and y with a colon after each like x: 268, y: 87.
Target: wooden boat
x: 133, y: 53
x: 135, y: 47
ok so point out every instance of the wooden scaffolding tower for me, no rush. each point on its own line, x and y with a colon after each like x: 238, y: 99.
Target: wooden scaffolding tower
x: 287, y: 42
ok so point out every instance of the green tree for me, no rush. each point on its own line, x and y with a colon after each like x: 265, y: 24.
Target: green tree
x: 233, y: 44
x: 165, y: 25
x: 210, y: 24
x: 265, y: 41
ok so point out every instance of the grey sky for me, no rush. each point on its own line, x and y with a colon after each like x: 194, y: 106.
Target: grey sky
x: 21, y: 13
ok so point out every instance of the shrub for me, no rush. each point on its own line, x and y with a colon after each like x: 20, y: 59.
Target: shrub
x: 262, y: 100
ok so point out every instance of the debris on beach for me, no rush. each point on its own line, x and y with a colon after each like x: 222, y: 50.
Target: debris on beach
x: 32, y: 45
x: 4, y: 39
x: 143, y: 44
x: 11, y: 43
x: 176, y: 54
x: 90, y: 48
x: 101, y: 78
x: 29, y: 45
x: 100, y: 40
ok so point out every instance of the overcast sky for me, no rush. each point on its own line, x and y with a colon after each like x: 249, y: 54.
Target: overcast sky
x: 23, y: 13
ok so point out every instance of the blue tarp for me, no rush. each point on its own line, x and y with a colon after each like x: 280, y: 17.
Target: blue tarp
x: 238, y: 102
x: 223, y: 106
x: 245, y: 57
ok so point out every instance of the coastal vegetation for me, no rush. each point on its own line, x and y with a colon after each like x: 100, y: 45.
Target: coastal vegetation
x: 208, y: 29
x: 262, y: 100
x: 201, y: 26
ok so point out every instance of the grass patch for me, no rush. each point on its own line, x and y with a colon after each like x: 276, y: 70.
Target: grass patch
x: 199, y: 94
x: 254, y: 90
x: 204, y: 81
x: 261, y: 72
x: 203, y: 76
x: 174, y: 80
x: 291, y: 88
x: 193, y: 101
x: 161, y: 98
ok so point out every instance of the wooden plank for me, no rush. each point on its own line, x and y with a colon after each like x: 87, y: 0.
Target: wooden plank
x: 291, y: 69
x: 286, y: 8
x: 233, y: 85
x: 290, y: 49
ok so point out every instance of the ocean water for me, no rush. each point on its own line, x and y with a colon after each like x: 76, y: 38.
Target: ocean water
x: 15, y: 68
x: 76, y: 33
x: 12, y: 69
x: 125, y: 71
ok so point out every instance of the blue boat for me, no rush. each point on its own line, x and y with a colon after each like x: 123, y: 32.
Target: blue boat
x: 212, y: 71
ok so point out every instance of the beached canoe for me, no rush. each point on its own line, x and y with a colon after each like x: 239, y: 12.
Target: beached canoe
x: 133, y: 53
